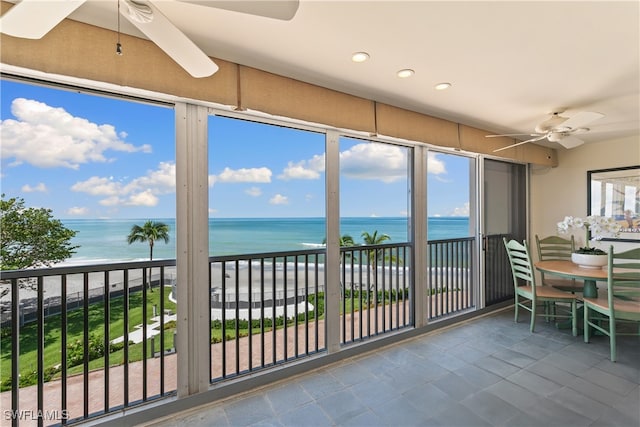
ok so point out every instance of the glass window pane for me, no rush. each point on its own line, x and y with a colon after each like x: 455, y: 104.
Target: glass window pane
x: 266, y: 187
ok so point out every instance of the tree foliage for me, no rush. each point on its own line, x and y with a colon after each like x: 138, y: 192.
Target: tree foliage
x: 31, y: 237
x: 151, y: 232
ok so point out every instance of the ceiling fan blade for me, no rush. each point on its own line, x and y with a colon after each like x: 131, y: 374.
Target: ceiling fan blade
x: 512, y: 134
x: 169, y: 38
x: 581, y: 119
x: 537, y: 138
x: 32, y: 19
x: 277, y: 9
x: 570, y: 142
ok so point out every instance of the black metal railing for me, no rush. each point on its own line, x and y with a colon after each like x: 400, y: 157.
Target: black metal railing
x: 266, y: 309
x: 498, y: 280
x: 83, y: 341
x: 375, y: 290
x: 450, y: 285
x: 94, y: 350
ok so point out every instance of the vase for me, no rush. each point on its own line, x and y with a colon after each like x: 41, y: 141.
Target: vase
x: 590, y: 260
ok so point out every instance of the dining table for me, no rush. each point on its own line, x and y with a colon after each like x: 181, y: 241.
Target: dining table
x: 569, y: 270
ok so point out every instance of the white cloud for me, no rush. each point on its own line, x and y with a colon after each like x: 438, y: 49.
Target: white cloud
x: 48, y: 137
x: 384, y: 162
x: 232, y: 176
x: 279, y: 199
x: 461, y: 211
x: 144, y: 198
x: 253, y: 191
x: 97, y: 186
x: 304, y: 169
x: 140, y: 191
x: 39, y: 188
x: 77, y: 211
x: 435, y: 165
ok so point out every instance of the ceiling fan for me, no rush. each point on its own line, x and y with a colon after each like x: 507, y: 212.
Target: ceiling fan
x: 557, y: 129
x: 32, y: 19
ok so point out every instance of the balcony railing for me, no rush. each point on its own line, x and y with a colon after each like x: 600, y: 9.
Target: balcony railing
x: 83, y: 341
x: 375, y: 290
x: 450, y: 283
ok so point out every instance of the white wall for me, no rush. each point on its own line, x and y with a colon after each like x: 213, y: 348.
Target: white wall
x: 561, y: 191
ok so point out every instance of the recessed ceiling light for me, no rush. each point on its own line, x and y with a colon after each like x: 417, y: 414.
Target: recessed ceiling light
x: 359, y: 56
x: 407, y: 72
x: 443, y: 86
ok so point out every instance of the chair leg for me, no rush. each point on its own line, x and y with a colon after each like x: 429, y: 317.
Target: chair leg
x: 516, y: 310
x: 612, y: 338
x: 533, y: 315
x: 574, y: 320
x: 586, y: 323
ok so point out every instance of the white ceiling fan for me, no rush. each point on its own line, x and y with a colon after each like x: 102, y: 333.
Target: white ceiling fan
x: 33, y: 19
x: 557, y: 129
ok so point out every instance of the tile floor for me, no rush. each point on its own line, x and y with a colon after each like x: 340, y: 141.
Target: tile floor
x: 486, y: 372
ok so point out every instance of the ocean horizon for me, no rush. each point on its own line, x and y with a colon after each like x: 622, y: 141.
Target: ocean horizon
x: 105, y: 240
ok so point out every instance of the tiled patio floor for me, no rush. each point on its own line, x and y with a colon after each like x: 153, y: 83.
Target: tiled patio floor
x: 486, y: 372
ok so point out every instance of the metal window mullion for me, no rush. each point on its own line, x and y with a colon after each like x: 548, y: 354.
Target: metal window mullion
x: 332, y: 257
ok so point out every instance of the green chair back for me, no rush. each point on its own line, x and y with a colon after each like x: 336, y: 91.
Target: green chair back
x: 521, y: 265
x: 555, y: 247
x: 623, y: 282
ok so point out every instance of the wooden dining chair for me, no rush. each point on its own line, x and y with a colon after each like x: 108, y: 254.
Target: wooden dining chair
x: 557, y: 248
x: 532, y: 295
x: 621, y: 305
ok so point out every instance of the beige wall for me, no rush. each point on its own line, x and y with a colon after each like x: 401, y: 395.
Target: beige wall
x: 561, y: 191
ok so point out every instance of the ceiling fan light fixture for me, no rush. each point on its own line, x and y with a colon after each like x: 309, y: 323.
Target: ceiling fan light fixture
x: 552, y: 122
x: 360, y: 57
x: 556, y: 136
x: 404, y: 73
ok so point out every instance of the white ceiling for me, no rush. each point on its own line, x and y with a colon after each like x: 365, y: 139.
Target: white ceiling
x: 510, y: 63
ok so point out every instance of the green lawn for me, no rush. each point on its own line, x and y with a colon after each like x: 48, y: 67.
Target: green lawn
x: 75, y: 326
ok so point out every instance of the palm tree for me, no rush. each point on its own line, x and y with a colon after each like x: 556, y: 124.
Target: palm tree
x: 345, y: 240
x: 374, y: 255
x: 150, y: 232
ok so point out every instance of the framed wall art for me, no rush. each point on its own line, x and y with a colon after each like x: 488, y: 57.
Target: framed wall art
x: 615, y: 193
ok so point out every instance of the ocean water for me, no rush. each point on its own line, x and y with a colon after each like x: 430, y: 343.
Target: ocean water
x: 105, y: 240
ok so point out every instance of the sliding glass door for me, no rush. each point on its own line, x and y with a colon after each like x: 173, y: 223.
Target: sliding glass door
x: 504, y: 215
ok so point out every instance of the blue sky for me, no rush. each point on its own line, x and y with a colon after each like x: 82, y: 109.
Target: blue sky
x: 86, y: 156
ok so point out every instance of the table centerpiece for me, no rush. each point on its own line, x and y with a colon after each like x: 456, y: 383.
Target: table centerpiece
x: 596, y: 227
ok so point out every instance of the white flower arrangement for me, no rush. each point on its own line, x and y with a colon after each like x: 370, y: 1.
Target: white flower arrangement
x: 596, y: 227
